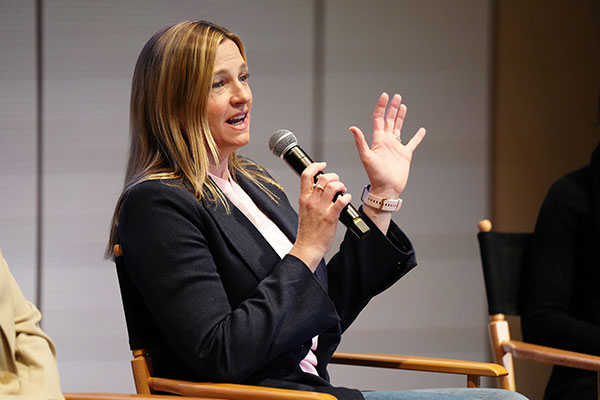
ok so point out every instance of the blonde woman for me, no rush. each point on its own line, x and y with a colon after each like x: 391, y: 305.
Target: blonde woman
x: 221, y: 279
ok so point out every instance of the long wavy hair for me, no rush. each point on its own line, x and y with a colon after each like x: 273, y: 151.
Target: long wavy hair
x: 170, y: 136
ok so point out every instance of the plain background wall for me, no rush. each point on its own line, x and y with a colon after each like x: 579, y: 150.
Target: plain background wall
x: 317, y: 68
x: 18, y: 137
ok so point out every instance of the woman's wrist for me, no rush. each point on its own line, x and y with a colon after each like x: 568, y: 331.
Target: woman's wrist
x: 381, y: 200
x: 383, y: 191
x: 381, y: 219
x: 308, y: 256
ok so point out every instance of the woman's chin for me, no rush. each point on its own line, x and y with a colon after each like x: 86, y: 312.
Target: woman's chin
x: 244, y: 140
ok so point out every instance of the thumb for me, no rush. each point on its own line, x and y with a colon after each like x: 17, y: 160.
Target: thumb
x: 361, y: 143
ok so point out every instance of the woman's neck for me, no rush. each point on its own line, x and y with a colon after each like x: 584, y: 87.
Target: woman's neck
x: 221, y: 169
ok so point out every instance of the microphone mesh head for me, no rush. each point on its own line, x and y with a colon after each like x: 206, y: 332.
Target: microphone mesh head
x: 281, y: 141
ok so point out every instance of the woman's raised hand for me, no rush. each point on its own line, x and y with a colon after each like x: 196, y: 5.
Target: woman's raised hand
x: 387, y: 161
x: 318, y: 214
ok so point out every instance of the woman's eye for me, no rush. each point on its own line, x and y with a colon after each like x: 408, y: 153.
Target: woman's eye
x: 218, y: 84
x: 244, y: 77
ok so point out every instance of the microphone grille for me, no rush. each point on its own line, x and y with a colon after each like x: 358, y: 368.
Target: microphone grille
x: 281, y: 141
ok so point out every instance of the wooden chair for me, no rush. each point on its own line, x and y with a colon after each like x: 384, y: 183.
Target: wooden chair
x: 502, y: 259
x: 147, y: 384
x: 119, y: 396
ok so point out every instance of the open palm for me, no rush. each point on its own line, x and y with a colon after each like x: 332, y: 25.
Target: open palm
x: 387, y: 161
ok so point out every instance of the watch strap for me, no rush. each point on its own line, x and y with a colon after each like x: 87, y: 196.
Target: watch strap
x: 380, y: 203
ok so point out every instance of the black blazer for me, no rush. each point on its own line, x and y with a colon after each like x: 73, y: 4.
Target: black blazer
x: 210, y: 299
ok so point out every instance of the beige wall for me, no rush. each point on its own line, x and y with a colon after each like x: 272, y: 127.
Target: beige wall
x: 546, y: 114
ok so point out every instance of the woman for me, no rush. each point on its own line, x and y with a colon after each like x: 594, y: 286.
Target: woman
x: 221, y: 279
x: 561, y: 282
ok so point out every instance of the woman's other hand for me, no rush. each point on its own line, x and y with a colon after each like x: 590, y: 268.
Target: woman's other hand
x: 387, y: 161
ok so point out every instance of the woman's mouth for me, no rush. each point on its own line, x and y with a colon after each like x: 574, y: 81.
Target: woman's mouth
x: 238, y: 119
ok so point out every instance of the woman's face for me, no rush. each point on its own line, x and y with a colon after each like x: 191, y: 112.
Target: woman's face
x: 230, y: 100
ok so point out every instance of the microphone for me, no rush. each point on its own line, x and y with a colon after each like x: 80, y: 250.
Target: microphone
x: 283, y: 144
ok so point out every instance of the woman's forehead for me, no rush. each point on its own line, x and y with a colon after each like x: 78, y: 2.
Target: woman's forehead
x: 228, y: 55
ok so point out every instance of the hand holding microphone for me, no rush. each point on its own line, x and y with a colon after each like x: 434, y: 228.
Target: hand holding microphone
x: 284, y: 145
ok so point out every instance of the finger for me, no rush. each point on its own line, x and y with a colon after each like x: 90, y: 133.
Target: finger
x: 307, y: 176
x: 392, y: 113
x: 326, y: 178
x: 332, y: 189
x: 379, y: 112
x: 417, y: 139
x: 342, y: 201
x: 361, y: 143
x: 318, y: 188
x: 323, y: 180
x: 399, y: 121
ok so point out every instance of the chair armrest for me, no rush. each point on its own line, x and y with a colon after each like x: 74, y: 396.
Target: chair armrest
x: 232, y: 391
x: 119, y: 396
x: 420, y: 364
x: 551, y: 355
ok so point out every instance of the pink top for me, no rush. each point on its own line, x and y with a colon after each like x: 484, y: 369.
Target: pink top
x: 272, y: 234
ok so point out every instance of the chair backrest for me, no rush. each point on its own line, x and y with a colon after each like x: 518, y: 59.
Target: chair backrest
x: 136, y: 322
x: 502, y: 259
x: 141, y: 363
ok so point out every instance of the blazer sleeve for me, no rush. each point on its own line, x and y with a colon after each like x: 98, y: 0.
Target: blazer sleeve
x: 29, y: 356
x: 166, y: 251
x: 364, y: 268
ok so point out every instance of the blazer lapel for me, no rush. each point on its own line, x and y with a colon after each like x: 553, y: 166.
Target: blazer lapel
x: 282, y: 214
x: 245, y: 240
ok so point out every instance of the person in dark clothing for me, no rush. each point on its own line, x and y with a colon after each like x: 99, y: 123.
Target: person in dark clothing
x: 227, y: 280
x: 561, y: 281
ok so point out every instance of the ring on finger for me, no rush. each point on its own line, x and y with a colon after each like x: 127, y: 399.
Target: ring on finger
x: 318, y: 187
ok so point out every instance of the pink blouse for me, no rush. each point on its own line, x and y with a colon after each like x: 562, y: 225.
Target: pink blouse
x: 272, y: 234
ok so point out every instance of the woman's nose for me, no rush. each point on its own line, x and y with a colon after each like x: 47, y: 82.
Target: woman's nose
x: 242, y: 94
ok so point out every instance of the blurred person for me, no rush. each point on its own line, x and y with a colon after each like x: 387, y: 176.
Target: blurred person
x: 27, y: 355
x: 561, y: 282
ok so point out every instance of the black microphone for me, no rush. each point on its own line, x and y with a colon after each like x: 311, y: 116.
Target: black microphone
x: 283, y: 144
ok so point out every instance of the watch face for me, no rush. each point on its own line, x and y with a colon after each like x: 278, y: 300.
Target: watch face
x: 365, y: 192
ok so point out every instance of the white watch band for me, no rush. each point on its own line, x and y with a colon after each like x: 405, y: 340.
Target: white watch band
x: 380, y: 203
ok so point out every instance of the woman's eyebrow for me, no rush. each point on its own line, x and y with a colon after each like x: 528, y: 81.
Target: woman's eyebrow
x: 243, y: 67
